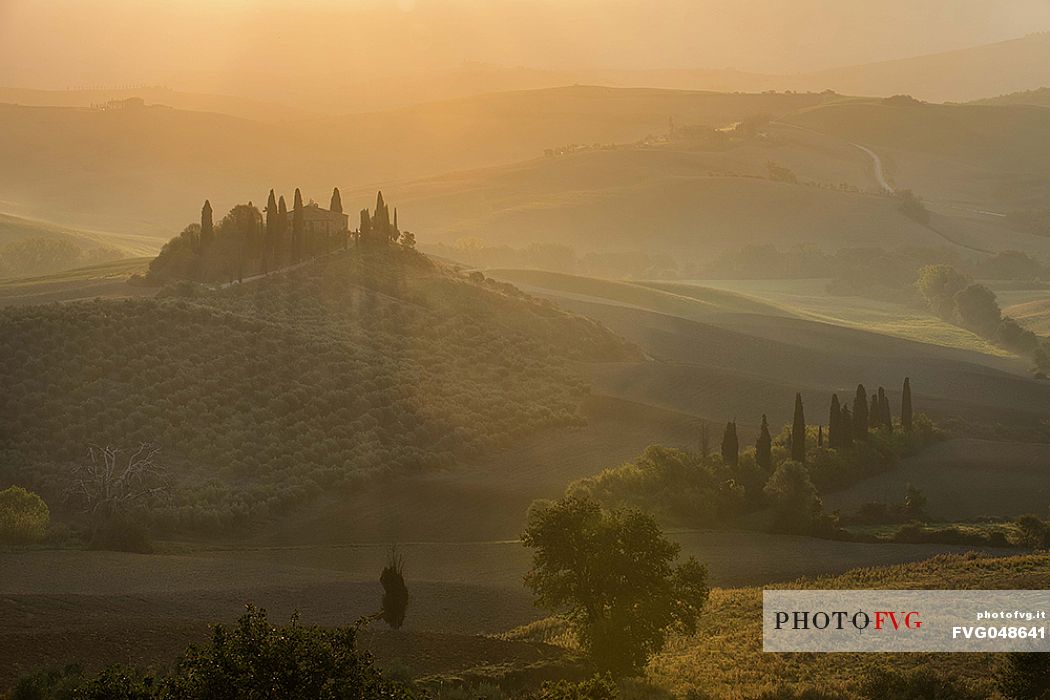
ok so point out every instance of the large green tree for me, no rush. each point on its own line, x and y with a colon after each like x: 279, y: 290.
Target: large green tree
x: 615, y: 578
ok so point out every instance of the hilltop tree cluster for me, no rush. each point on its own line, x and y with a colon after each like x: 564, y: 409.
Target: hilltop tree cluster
x: 786, y: 472
x: 249, y: 242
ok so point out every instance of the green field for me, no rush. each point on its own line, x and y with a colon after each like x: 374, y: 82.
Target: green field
x: 809, y: 299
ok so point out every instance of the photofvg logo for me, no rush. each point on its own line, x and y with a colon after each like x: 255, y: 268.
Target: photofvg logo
x: 904, y: 621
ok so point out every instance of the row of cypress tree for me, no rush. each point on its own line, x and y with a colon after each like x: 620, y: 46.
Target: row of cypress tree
x: 845, y: 426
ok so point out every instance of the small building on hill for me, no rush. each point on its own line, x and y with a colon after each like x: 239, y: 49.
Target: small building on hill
x: 321, y: 221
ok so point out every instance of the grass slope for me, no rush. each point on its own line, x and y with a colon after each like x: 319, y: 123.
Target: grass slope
x: 684, y: 202
x: 725, y: 658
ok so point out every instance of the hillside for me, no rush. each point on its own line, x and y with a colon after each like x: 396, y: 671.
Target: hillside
x: 241, y: 107
x: 264, y: 395
x: 965, y: 74
x: 726, y: 658
x: 29, y: 247
x: 652, y: 199
x: 1039, y: 97
x: 717, y: 354
x: 975, y: 160
x: 139, y: 170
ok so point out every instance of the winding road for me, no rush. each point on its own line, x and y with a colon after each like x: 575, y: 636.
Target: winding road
x: 880, y: 175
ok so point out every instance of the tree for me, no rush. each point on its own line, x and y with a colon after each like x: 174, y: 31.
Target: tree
x: 885, y: 418
x: 730, y: 445
x: 846, y: 428
x: 337, y: 201
x: 704, y: 438
x: 874, y: 412
x: 834, y: 431
x: 798, y: 432
x: 282, y: 245
x: 110, y: 486
x: 297, y: 226
x: 764, y: 446
x: 979, y: 310
x: 906, y: 412
x: 914, y: 502
x: 207, y: 234
x: 792, y: 495
x: 395, y: 592
x: 913, y: 207
x: 614, y: 577
x: 255, y: 659
x: 860, y: 414
x: 24, y: 517
x: 270, y: 241
x: 408, y: 240
x: 939, y: 284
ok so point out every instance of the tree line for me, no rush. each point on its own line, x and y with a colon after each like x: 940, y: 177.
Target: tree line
x: 844, y: 426
x: 249, y: 242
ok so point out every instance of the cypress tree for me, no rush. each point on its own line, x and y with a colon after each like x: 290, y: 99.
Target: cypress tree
x: 798, y: 432
x: 365, y: 231
x: 834, y: 438
x: 280, y: 243
x: 820, y: 435
x: 885, y: 419
x: 906, y: 414
x: 846, y: 428
x: 860, y: 414
x: 207, y: 227
x: 337, y: 201
x: 297, y: 226
x: 874, y: 412
x: 270, y: 241
x: 730, y: 445
x: 764, y: 446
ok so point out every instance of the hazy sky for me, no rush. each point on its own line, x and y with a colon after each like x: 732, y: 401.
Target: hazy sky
x: 60, y: 43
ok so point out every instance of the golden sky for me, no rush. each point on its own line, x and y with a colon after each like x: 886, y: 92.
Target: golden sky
x: 62, y: 43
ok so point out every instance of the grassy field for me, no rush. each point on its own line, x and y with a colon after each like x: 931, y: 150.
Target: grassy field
x: 107, y: 280
x: 726, y: 660
x: 809, y: 299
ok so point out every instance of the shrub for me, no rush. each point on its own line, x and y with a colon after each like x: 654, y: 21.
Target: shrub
x: 918, y: 684
x: 24, y: 517
x: 598, y: 687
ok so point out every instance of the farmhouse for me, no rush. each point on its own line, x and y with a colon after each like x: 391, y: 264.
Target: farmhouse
x: 321, y: 221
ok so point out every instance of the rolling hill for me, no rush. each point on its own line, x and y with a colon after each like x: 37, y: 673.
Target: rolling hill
x: 140, y: 170
x: 29, y: 247
x: 692, y: 202
x: 264, y: 396
x: 155, y: 95
x: 979, y: 159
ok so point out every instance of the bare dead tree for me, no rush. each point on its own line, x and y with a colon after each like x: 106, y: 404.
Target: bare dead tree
x: 110, y: 483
